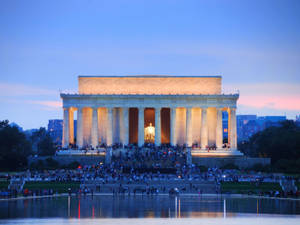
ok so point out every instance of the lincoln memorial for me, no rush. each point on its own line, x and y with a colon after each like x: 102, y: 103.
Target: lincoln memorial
x: 175, y: 110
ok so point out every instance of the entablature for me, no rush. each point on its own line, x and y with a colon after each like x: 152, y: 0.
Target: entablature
x: 151, y: 101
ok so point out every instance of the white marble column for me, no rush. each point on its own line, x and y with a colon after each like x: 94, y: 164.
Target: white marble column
x: 189, y: 128
x: 233, y: 130
x: 79, y: 139
x: 95, y: 128
x: 109, y: 134
x: 219, y: 129
x: 66, y: 127
x: 228, y: 126
x: 141, y: 134
x: 204, y: 129
x: 173, y: 126
x: 71, y: 125
x: 125, y: 131
x: 157, y: 126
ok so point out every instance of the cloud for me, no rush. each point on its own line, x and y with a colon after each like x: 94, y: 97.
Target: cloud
x: 271, y: 102
x: 26, y: 94
x: 48, y: 104
x: 266, y: 89
x: 20, y: 94
x: 265, y: 110
x: 267, y: 96
x: 9, y: 89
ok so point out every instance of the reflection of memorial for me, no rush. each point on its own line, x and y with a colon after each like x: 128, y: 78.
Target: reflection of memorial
x: 149, y: 133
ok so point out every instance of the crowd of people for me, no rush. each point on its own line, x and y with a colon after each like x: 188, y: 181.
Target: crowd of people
x: 151, y: 156
x: 115, y: 146
x: 146, y: 166
x: 115, y: 173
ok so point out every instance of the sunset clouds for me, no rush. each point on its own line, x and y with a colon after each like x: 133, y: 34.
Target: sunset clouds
x: 281, y: 96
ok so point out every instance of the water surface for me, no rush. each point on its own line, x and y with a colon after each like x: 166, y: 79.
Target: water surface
x: 188, y: 209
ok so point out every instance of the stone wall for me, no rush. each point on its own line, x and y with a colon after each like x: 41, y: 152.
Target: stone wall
x: 65, y: 160
x: 150, y: 85
x: 241, y: 162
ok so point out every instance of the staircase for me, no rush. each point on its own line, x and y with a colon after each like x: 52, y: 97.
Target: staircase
x: 16, y: 184
x: 288, y: 186
x: 206, y: 187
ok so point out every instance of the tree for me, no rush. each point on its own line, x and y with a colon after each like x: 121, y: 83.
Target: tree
x: 46, y: 146
x: 37, y: 137
x: 14, y: 148
x: 4, y: 123
x: 278, y: 143
x: 42, y: 142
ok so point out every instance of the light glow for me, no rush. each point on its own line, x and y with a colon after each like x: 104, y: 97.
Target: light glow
x: 149, y: 133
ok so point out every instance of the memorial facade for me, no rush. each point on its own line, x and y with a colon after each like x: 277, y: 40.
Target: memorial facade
x: 179, y: 110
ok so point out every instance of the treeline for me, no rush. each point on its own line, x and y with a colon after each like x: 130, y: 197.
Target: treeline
x: 16, y: 146
x: 281, y: 144
x: 51, y: 164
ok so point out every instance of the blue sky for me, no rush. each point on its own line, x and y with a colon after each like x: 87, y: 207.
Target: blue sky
x: 45, y: 45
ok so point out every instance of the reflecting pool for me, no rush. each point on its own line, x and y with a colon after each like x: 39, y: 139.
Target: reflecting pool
x: 64, y: 209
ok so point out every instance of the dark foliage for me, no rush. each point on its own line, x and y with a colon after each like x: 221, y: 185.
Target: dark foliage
x: 14, y: 148
x: 72, y: 165
x: 281, y: 144
x: 46, y: 146
x: 230, y: 166
x: 48, y: 163
x: 42, y: 143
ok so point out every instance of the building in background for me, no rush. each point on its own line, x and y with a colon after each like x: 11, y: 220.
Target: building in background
x: 270, y: 121
x: 225, y: 126
x: 55, y: 129
x: 248, y: 125
x: 298, y: 120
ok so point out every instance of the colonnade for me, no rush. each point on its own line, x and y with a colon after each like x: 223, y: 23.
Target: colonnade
x: 68, y: 127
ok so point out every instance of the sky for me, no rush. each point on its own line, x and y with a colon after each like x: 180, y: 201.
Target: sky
x: 44, y: 45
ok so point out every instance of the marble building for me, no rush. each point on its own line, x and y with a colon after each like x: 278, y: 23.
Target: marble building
x: 180, y: 110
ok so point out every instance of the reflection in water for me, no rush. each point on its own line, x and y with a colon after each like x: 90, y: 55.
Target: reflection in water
x: 224, y: 208
x: 179, y: 208
x: 79, y: 208
x: 69, y: 206
x: 145, y: 207
x: 176, y: 207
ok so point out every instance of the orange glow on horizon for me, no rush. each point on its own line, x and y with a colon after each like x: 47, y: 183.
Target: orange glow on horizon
x: 275, y: 102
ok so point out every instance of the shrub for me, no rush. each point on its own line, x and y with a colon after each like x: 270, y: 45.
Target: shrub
x: 229, y: 166
x: 72, y: 165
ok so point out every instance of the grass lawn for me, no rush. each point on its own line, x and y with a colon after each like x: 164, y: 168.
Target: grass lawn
x: 60, y: 187
x: 4, y: 184
x: 245, y: 187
